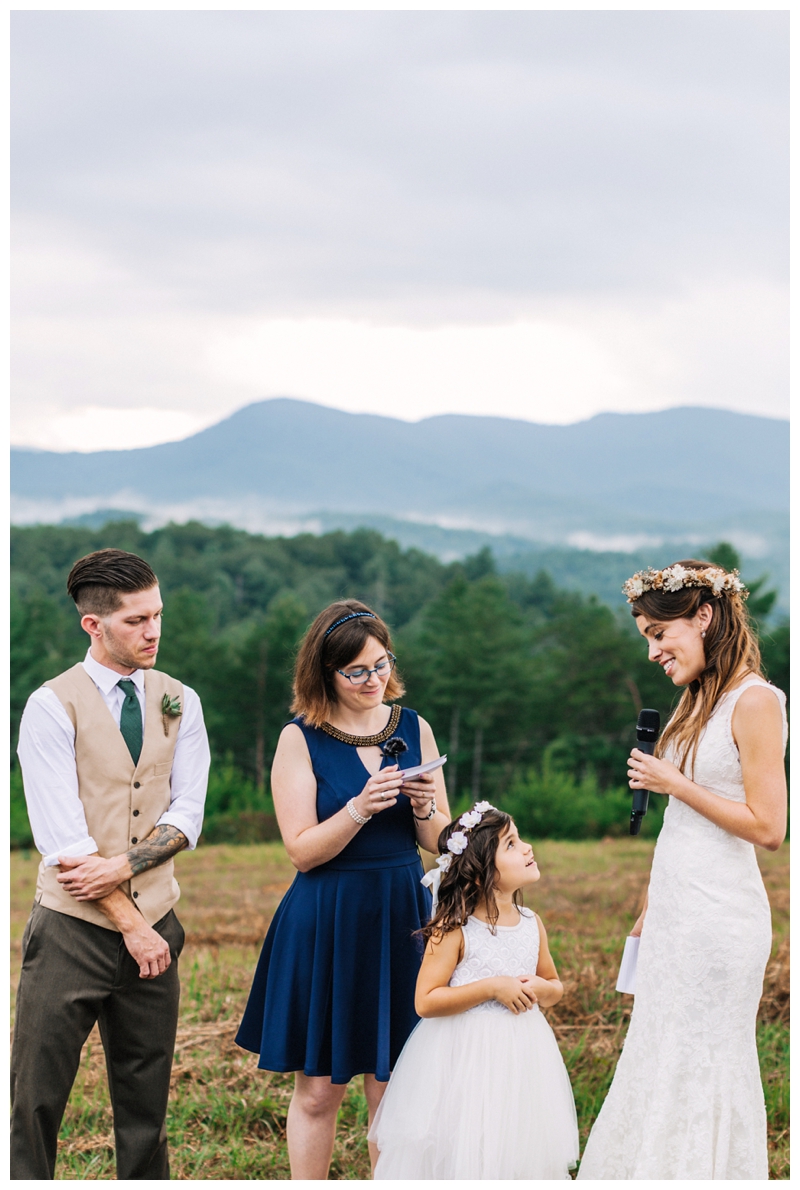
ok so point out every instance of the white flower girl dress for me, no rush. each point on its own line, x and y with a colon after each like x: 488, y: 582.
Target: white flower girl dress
x: 483, y: 1093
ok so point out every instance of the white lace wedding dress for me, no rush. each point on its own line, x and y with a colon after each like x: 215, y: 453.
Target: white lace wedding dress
x: 484, y: 1093
x: 686, y: 1101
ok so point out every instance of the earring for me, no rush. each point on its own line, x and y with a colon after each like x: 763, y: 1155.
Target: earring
x: 703, y: 633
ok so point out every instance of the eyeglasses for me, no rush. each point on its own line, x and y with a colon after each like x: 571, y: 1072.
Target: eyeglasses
x: 359, y: 676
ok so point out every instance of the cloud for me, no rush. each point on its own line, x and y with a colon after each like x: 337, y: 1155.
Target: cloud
x: 168, y: 376
x: 95, y: 427
x: 258, y: 159
x: 588, y: 187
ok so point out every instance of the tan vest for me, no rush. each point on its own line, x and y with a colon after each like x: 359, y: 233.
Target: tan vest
x: 122, y: 803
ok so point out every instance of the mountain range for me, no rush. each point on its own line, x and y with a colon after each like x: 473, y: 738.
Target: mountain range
x: 650, y: 473
x: 616, y: 483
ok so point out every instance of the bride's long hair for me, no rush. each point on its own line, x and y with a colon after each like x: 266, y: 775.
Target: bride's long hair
x: 731, y: 649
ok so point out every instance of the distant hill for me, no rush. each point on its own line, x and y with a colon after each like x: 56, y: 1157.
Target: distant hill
x: 616, y: 481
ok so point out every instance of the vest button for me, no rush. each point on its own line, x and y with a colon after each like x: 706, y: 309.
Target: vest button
x: 135, y: 813
x: 134, y: 840
x: 136, y: 894
x: 136, y: 784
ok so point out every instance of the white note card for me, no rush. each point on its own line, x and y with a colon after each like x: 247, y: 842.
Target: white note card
x: 626, y: 981
x: 424, y: 768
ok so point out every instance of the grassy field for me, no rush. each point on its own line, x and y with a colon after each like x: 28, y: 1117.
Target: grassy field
x: 227, y: 1119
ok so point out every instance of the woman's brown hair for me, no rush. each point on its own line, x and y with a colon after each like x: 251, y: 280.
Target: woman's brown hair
x: 731, y: 649
x: 470, y: 879
x: 320, y: 656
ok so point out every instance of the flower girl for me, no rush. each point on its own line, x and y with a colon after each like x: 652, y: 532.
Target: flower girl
x: 480, y: 1089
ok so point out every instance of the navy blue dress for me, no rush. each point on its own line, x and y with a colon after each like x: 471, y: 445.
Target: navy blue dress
x: 333, y: 992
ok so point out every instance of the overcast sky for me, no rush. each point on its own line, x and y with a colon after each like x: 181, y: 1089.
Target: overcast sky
x: 532, y: 214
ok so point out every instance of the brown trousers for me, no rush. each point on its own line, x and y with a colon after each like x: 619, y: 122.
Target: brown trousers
x: 74, y: 974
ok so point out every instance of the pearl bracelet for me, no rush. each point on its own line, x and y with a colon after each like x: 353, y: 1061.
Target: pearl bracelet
x: 425, y: 817
x: 354, y: 814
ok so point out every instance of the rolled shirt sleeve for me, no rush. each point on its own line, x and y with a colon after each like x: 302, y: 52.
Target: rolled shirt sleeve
x: 46, y: 753
x: 190, y: 765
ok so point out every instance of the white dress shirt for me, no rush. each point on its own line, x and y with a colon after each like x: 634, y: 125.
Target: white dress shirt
x: 46, y: 753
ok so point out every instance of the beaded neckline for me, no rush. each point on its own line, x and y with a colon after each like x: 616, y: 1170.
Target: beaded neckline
x: 365, y: 741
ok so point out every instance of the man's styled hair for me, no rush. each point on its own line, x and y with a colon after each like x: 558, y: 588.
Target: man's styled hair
x: 98, y: 581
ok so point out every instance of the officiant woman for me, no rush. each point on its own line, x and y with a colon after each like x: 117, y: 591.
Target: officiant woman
x: 333, y: 993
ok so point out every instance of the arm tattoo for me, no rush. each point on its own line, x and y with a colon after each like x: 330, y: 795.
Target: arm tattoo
x: 160, y: 845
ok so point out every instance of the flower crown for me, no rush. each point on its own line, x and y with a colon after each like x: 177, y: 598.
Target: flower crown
x: 675, y: 578
x: 459, y: 839
x: 455, y: 845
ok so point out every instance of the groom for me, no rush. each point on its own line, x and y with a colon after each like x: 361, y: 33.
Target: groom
x: 115, y: 760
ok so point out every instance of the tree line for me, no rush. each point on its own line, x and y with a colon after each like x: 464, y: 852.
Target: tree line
x: 531, y: 690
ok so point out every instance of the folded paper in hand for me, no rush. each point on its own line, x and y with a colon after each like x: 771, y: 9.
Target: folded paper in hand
x: 627, y: 971
x: 424, y: 768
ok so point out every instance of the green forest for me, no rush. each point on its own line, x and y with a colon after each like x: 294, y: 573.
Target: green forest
x: 533, y: 691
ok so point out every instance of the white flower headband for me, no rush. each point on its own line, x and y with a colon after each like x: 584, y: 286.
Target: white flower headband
x: 676, y: 577
x: 455, y: 845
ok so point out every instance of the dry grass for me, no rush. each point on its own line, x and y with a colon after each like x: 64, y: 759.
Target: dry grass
x: 227, y: 1119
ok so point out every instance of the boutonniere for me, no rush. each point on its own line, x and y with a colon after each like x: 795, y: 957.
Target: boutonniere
x: 170, y: 709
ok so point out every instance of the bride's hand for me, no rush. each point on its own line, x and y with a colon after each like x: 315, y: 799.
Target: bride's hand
x: 380, y: 792
x: 636, y: 932
x: 650, y: 772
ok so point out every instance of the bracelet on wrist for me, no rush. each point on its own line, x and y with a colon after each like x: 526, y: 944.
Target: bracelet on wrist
x: 354, y: 814
x: 427, y: 817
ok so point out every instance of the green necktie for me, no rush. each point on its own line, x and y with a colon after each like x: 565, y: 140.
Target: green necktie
x: 130, y: 720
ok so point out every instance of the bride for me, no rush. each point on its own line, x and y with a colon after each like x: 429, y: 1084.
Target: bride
x: 686, y: 1100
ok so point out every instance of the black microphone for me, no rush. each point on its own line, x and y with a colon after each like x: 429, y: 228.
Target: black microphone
x: 647, y: 727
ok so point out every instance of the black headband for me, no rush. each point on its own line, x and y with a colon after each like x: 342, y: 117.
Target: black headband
x: 344, y: 619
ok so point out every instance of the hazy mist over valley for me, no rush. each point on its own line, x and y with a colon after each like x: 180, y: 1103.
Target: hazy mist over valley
x: 619, y: 488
